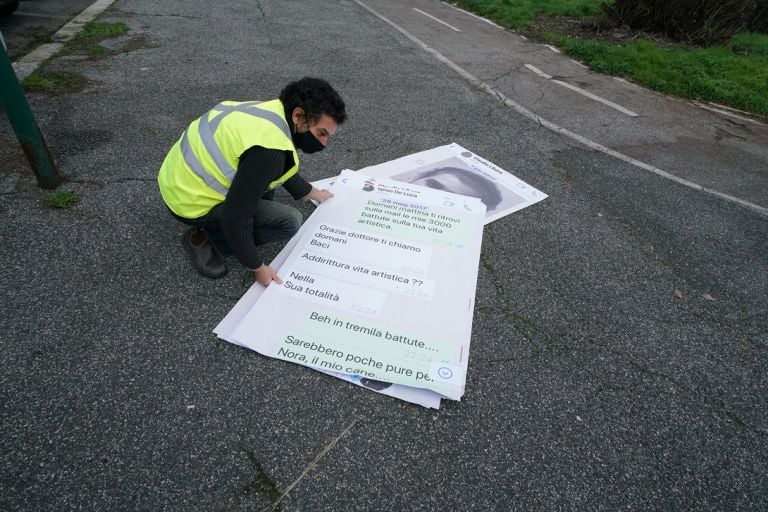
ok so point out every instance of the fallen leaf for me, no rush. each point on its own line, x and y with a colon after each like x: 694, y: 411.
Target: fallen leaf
x: 707, y: 296
x: 678, y: 294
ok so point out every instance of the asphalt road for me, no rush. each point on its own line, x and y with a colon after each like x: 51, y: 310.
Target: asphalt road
x: 35, y: 21
x: 591, y: 385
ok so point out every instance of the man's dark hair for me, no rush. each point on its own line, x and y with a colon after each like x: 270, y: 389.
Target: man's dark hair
x: 316, y: 97
x: 487, y: 191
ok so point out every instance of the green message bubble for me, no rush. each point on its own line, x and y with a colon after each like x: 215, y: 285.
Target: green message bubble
x: 370, y: 336
x: 413, y: 224
x: 325, y: 355
x: 348, y: 346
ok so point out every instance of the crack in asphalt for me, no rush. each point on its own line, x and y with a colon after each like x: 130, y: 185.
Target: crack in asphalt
x: 719, y: 407
x: 260, y: 8
x: 276, y: 504
x: 506, y: 74
x: 545, y: 343
x: 261, y: 483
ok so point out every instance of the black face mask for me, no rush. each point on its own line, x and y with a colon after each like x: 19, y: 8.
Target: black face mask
x: 307, y: 142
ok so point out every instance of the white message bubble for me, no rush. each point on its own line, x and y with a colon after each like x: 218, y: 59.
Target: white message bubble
x: 332, y: 292
x: 386, y: 252
x: 366, y: 275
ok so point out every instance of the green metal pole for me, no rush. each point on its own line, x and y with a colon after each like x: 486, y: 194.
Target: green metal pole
x: 23, y: 121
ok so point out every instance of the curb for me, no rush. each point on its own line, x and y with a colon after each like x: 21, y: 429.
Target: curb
x: 30, y: 62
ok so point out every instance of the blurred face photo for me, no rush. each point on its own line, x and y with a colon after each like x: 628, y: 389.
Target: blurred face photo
x: 452, y: 176
x: 448, y: 182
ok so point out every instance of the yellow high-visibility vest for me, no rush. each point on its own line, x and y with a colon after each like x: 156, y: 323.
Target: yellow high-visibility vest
x: 199, y: 169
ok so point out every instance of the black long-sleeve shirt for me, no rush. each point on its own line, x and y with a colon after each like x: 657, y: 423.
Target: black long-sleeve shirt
x: 257, y: 168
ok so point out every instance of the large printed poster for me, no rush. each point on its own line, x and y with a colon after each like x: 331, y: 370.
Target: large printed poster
x: 380, y: 285
x: 230, y: 322
x: 455, y: 169
x: 380, y: 280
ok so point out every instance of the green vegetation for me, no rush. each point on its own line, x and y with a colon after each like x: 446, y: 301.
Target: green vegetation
x: 58, y: 82
x: 87, y: 40
x: 60, y: 199
x: 748, y: 44
x: 520, y: 13
x: 733, y: 74
x: 96, y: 31
x: 715, y: 74
x: 96, y: 49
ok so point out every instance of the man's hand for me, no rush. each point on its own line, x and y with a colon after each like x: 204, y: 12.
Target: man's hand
x: 266, y: 274
x: 318, y: 195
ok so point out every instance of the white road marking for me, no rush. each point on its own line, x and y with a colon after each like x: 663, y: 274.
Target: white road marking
x: 556, y: 50
x: 729, y: 114
x: 474, y: 15
x: 436, y: 19
x: 581, y: 91
x: 597, y: 98
x: 538, y: 71
x: 556, y: 128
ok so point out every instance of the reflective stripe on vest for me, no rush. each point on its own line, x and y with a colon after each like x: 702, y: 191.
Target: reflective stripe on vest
x: 206, y: 129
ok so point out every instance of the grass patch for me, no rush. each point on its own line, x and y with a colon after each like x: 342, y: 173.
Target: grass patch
x: 97, y: 49
x: 733, y: 74
x: 60, y: 199
x: 714, y: 74
x: 97, y: 31
x: 87, y: 40
x: 520, y: 13
x: 750, y: 45
x: 58, y: 82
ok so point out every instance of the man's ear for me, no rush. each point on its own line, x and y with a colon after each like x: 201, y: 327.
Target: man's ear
x: 297, y: 116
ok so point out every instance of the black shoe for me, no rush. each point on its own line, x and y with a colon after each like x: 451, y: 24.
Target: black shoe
x: 205, y: 258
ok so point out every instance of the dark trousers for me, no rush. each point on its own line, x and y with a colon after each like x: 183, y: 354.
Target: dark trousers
x: 272, y: 222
